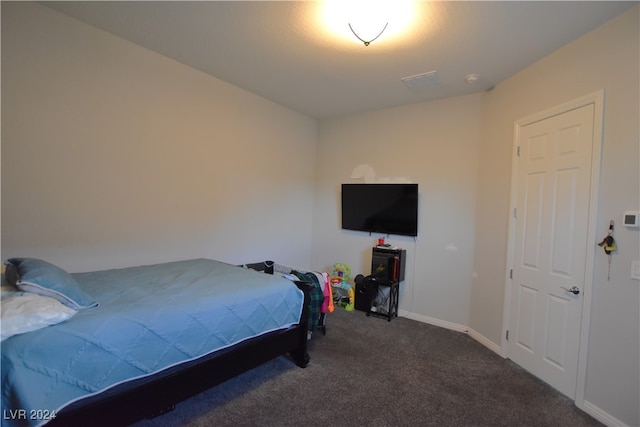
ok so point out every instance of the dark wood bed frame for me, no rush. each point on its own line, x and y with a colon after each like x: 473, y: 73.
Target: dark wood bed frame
x: 152, y: 397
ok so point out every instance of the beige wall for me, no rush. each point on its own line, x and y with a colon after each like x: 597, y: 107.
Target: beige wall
x: 605, y: 59
x: 113, y: 155
x: 436, y: 145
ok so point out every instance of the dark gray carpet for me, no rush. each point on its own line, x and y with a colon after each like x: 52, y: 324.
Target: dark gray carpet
x: 367, y: 371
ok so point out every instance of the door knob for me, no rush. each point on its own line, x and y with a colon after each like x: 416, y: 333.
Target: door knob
x: 574, y: 289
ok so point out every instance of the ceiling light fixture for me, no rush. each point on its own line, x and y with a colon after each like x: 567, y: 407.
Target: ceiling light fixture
x: 368, y: 20
x: 368, y: 42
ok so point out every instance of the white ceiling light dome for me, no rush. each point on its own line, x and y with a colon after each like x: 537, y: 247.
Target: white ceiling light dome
x: 368, y: 20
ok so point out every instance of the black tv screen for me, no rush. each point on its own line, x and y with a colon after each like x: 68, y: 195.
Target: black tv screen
x: 380, y: 208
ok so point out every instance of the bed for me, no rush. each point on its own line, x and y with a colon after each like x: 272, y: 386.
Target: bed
x: 142, y: 339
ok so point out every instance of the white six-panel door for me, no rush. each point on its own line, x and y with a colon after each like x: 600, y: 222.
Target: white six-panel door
x: 550, y: 245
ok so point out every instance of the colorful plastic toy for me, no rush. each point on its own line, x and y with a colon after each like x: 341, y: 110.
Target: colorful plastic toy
x: 341, y: 276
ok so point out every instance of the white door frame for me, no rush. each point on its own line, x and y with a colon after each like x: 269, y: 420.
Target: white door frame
x: 597, y: 99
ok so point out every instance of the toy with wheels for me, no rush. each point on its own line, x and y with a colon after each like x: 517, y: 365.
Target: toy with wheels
x: 339, y: 281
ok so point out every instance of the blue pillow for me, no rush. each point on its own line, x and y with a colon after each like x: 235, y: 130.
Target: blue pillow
x: 42, y: 278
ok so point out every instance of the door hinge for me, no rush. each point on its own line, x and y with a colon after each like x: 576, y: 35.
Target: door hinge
x: 518, y: 152
x: 511, y: 274
x: 507, y: 335
x: 515, y: 213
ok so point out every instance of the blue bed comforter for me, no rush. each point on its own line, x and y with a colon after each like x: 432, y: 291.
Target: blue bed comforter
x: 150, y: 318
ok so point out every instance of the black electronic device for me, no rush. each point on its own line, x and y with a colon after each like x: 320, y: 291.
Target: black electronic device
x: 388, y: 264
x: 366, y: 291
x: 380, y: 208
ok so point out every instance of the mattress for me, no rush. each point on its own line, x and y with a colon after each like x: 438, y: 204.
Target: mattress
x: 149, y: 319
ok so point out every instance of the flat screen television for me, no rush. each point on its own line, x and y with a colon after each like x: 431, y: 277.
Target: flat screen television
x: 380, y: 208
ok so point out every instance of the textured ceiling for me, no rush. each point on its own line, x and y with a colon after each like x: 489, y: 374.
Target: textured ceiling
x: 283, y: 51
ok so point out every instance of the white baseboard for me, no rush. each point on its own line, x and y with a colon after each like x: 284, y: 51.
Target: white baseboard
x: 433, y: 321
x: 600, y: 415
x: 454, y: 327
x: 486, y: 342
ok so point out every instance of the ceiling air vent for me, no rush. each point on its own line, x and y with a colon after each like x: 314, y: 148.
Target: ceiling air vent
x: 422, y: 82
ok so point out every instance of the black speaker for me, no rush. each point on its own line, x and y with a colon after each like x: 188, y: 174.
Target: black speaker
x: 366, y: 291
